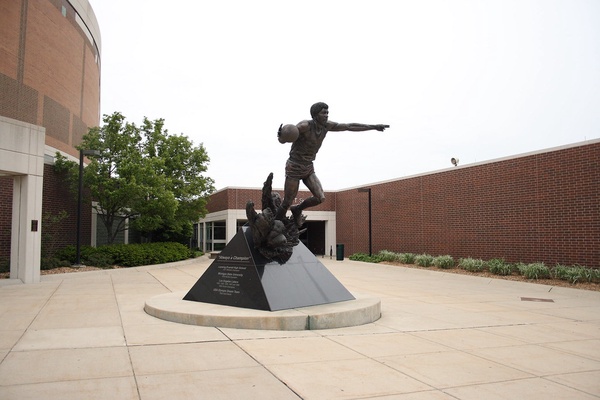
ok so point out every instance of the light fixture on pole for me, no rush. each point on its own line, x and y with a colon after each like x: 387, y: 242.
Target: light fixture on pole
x: 82, y: 153
x: 368, y: 190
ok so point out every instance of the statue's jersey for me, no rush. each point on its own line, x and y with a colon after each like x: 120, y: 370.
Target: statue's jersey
x: 304, y: 149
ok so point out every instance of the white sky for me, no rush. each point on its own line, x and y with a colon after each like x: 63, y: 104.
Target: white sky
x: 475, y: 80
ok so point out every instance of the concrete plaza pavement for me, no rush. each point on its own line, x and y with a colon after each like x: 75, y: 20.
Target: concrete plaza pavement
x: 441, y: 336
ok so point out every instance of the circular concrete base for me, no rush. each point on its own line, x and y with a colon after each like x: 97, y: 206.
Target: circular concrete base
x: 172, y: 307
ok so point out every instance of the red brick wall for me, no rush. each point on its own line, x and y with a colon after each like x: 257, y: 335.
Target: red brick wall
x: 58, y: 197
x: 6, y: 195
x: 541, y: 207
x: 49, y: 74
x: 234, y: 198
x: 10, y: 22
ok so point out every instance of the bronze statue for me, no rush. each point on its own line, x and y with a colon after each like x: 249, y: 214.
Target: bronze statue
x: 299, y: 167
x: 274, y: 234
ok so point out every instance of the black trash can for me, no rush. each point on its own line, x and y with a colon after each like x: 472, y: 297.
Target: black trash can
x: 339, y: 252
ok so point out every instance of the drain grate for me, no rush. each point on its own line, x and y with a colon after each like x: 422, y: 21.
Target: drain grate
x: 537, y: 299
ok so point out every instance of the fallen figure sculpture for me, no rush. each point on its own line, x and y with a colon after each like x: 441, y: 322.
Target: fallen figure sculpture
x: 273, y: 238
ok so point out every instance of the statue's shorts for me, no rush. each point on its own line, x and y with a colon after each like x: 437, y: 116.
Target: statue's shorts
x: 298, y: 171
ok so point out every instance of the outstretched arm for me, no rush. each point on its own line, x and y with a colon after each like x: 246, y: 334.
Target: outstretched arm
x: 353, y: 127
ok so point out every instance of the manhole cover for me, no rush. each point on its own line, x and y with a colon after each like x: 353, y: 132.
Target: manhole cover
x: 536, y: 299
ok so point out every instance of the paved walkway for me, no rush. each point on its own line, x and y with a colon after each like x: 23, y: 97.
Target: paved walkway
x: 441, y: 336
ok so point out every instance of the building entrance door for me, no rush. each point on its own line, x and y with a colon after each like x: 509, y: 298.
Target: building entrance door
x: 314, y: 236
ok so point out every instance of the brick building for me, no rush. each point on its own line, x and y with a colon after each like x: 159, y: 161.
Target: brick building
x: 540, y: 206
x: 49, y: 97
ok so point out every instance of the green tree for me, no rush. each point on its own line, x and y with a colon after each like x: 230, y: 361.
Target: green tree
x: 184, y: 164
x: 145, y: 175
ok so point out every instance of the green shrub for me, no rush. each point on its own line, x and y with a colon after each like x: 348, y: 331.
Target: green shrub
x: 365, y: 258
x: 497, y: 266
x: 127, y: 255
x: 589, y: 274
x: 4, y: 265
x: 471, y: 264
x: 534, y: 270
x: 406, y: 258
x: 66, y: 253
x: 197, y: 253
x: 559, y: 272
x: 424, y: 260
x: 99, y: 260
x: 47, y: 263
x: 575, y: 274
x: 386, y: 255
x: 148, y: 253
x: 445, y: 262
x: 569, y: 274
x: 594, y: 275
x: 358, y: 257
x: 69, y: 253
x: 518, y: 267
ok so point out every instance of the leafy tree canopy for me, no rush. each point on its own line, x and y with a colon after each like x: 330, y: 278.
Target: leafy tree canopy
x: 146, y: 175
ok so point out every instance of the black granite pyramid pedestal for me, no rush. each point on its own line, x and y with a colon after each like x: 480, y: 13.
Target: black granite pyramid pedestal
x: 241, y: 277
x: 243, y: 290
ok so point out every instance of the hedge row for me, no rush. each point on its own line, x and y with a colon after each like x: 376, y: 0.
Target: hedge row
x: 126, y: 255
x: 497, y: 266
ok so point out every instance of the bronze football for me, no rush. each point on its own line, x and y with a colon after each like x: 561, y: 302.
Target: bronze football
x: 288, y: 134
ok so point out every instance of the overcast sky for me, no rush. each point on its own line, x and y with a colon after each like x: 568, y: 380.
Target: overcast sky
x: 475, y: 80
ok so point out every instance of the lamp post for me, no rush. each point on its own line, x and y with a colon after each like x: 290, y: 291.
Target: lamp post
x: 368, y: 190
x: 82, y: 153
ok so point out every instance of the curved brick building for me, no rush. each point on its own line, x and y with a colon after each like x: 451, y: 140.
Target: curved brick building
x: 49, y: 97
